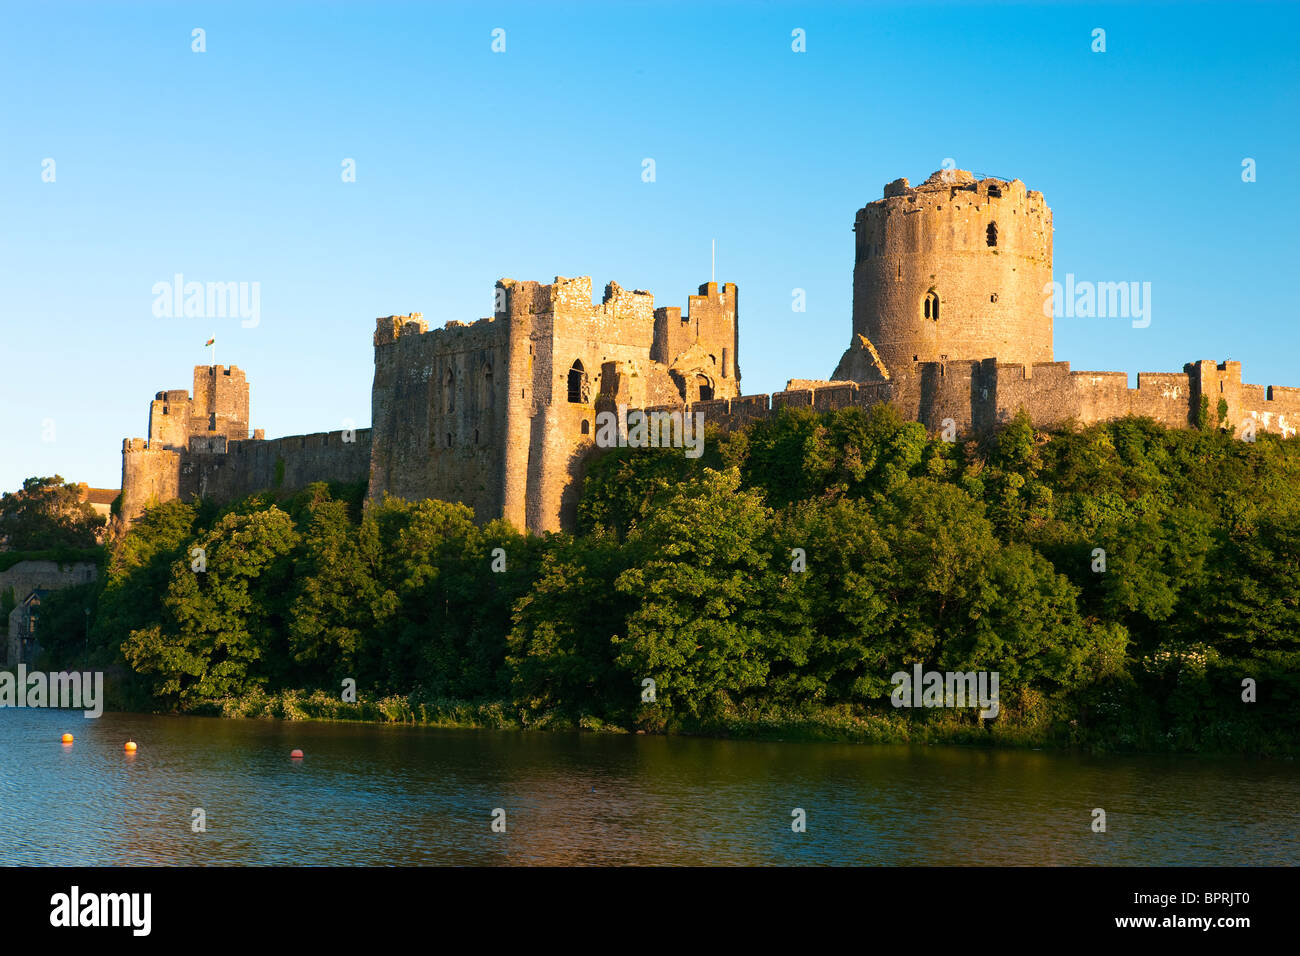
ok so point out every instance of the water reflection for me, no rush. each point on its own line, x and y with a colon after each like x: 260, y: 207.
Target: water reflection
x: 411, y: 796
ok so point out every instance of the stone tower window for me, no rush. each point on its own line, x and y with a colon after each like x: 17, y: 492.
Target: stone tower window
x: 995, y: 192
x: 932, y: 306
x: 489, y: 397
x: 586, y: 427
x: 449, y: 393
x: 577, y: 383
x: 706, y: 388
x: 991, y: 234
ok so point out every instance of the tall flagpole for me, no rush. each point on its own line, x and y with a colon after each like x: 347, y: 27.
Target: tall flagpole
x: 713, y: 263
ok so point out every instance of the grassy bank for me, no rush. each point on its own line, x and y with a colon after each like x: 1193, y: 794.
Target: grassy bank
x: 1137, y: 731
x: 839, y: 723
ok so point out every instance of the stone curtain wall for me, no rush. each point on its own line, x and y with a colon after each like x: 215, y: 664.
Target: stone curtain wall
x: 415, y: 406
x: 438, y: 412
x: 224, y: 470
x: 980, y: 395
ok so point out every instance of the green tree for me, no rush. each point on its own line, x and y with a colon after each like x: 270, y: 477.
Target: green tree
x: 223, y: 625
x: 137, y: 576
x: 48, y: 513
x: 835, y: 597
x: 701, y: 570
x: 335, y: 592
x: 563, y: 646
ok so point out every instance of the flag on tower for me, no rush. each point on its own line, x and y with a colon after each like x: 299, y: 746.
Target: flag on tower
x: 209, y: 342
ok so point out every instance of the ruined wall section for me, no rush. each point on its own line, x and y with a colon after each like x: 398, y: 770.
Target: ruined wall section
x: 572, y: 341
x: 1273, y: 408
x: 1230, y: 403
x: 438, y: 412
x: 700, y: 348
x: 982, y: 247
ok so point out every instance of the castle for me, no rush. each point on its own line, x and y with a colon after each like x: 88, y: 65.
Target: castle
x: 949, y: 284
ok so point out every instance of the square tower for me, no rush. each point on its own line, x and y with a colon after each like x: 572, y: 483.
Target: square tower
x: 220, y: 404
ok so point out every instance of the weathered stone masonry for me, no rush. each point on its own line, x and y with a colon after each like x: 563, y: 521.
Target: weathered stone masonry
x: 948, y: 322
x: 201, y: 449
x: 500, y: 414
x: 979, y: 394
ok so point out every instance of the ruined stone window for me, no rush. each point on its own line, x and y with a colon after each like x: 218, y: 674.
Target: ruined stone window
x: 991, y: 234
x: 577, y: 383
x: 995, y: 192
x: 476, y: 436
x: 449, y: 393
x: 448, y: 439
x: 586, y: 427
x: 993, y: 297
x: 706, y: 388
x: 931, y: 307
x: 489, y: 396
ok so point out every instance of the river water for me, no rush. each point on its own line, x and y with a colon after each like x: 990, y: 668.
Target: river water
x: 366, y: 794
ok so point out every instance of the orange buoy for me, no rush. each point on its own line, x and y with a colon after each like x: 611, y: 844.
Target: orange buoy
x: 67, y: 738
x: 296, y: 755
x: 130, y: 746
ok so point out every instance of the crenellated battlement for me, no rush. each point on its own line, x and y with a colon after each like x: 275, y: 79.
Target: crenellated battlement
x: 408, y: 329
x: 979, y: 394
x: 951, y: 269
x: 500, y: 413
x: 949, y: 192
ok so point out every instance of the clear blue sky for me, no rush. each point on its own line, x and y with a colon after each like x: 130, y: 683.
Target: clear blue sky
x: 225, y: 166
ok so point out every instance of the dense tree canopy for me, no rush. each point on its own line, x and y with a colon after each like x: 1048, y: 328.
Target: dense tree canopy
x: 47, y: 514
x: 1127, y: 582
